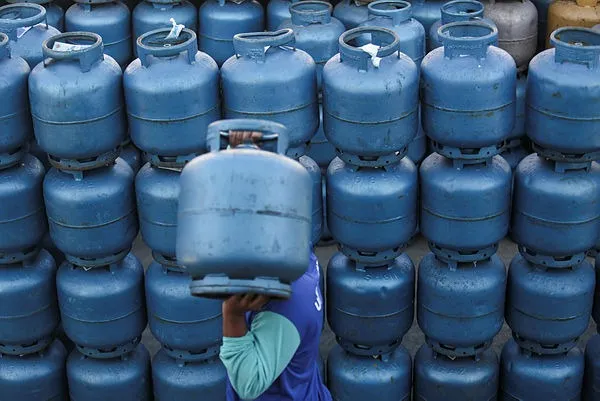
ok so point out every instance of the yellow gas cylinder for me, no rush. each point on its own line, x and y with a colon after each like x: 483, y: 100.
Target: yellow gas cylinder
x: 582, y: 13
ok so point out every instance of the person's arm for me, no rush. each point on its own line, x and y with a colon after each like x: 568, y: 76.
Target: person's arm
x: 255, y: 359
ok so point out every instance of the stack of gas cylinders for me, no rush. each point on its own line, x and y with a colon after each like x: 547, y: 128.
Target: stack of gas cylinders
x: 555, y: 221
x: 31, y: 361
x: 80, y: 123
x: 465, y: 211
x: 372, y: 209
x: 169, y: 126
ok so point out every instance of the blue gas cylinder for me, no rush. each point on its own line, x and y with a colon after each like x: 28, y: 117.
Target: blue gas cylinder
x: 465, y: 205
x: 555, y: 210
x: 591, y: 378
x: 253, y: 85
x: 127, y: 377
x: 542, y: 9
x: 220, y: 20
x: 15, y: 120
x: 22, y: 220
x: 439, y: 378
x: 149, y: 15
x: 396, y: 15
x: 455, y: 11
x: 475, y: 124
x: 427, y: 12
x: 351, y: 13
x: 55, y: 15
x: 31, y: 376
x: 528, y: 376
x: 359, y: 378
x: 547, y: 308
x: 186, y: 381
x: 417, y: 149
x: 514, y: 149
x: 387, y: 290
x: 460, y: 308
x: 26, y: 26
x: 372, y: 212
x: 57, y: 255
x: 596, y: 307
x: 277, y: 12
x: 103, y: 309
x: 73, y: 201
x: 164, y: 71
x: 91, y: 84
x: 110, y: 19
x: 513, y: 152
x: 562, y: 91
x: 319, y: 149
x: 131, y: 155
x: 315, y: 31
x: 372, y: 123
x: 27, y: 322
x: 266, y: 214
x: 188, y: 327
x: 317, y: 200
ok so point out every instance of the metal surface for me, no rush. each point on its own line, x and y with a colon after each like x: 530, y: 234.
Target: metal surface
x: 103, y: 309
x: 372, y: 123
x: 22, y: 221
x: 90, y: 84
x: 317, y: 200
x: 26, y: 377
x: 27, y: 322
x: 315, y: 31
x: 571, y: 13
x: 542, y: 9
x: 172, y: 94
x: 92, y: 217
x: 461, y: 308
x: 370, y: 309
x: 517, y: 22
x: 319, y: 148
x: 562, y: 89
x: 220, y: 20
x: 555, y: 210
x: 111, y: 20
x: 26, y: 26
x: 185, y: 381
x: 351, y: 13
x: 253, y: 82
x: 359, y: 378
x: 278, y: 11
x: 591, y: 378
x: 372, y: 212
x: 266, y: 214
x: 439, y: 378
x: 54, y: 12
x: 131, y: 155
x: 465, y: 207
x: 476, y: 123
x: 124, y: 378
x: 526, y: 376
x: 427, y: 12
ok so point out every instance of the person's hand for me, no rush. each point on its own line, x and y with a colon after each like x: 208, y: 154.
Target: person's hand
x: 238, y: 137
x: 242, y: 303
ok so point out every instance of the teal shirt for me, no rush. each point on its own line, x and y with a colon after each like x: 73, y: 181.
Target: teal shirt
x: 256, y: 360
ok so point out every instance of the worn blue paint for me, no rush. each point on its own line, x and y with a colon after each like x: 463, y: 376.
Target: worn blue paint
x: 439, y: 378
x: 460, y: 309
x: 358, y: 378
x: 28, y: 45
x: 27, y: 322
x: 526, y: 376
x: 257, y: 237
x: 319, y: 148
x: 350, y: 14
x: 555, y: 210
x: 55, y: 15
x: 389, y: 293
x: 124, y: 378
x: 563, y: 90
x: 103, y: 309
x: 277, y: 12
x: 131, y: 155
x: 172, y: 94
x: 186, y: 381
x: 22, y: 221
x: 315, y: 31
x: 591, y: 378
x: 372, y: 212
x: 475, y: 124
x: 427, y: 11
x: 220, y: 20
x: 253, y: 85
x: 548, y: 309
x: 317, y: 200
x: 190, y: 328
x: 92, y: 216
x: 91, y: 84
x: 370, y: 114
x: 111, y: 20
x: 27, y: 377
